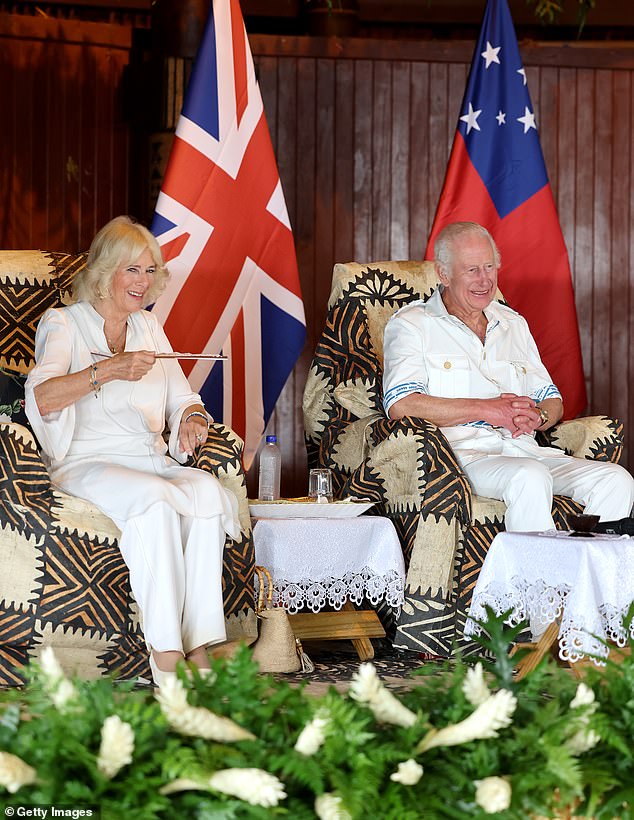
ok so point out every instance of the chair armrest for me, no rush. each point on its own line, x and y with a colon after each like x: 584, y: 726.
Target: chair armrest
x: 402, y: 464
x: 26, y: 494
x: 221, y: 455
x: 593, y: 437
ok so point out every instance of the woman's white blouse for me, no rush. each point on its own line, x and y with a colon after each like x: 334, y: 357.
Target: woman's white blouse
x: 122, y: 425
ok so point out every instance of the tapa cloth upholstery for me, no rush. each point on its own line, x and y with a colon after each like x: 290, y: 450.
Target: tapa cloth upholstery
x: 63, y: 582
x: 407, y: 466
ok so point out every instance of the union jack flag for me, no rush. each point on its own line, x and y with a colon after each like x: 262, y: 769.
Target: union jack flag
x: 223, y: 228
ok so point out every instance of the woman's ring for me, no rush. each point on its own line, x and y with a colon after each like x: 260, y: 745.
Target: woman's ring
x: 199, y: 438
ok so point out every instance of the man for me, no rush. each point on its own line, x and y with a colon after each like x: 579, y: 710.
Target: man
x: 470, y: 365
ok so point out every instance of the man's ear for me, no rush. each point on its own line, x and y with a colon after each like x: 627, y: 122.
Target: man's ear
x: 440, y: 274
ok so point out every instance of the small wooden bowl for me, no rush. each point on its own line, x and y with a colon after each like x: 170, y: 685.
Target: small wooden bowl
x: 582, y: 523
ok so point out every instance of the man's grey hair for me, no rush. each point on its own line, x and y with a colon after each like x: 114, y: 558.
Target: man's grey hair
x: 446, y: 239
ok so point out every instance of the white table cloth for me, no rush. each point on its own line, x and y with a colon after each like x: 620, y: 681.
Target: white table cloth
x: 586, y: 582
x: 315, y: 561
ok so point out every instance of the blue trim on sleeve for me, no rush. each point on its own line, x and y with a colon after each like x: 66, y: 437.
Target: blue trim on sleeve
x: 549, y: 391
x: 399, y: 391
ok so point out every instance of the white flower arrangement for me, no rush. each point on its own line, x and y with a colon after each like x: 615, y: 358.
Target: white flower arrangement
x: 493, y: 794
x: 408, y: 773
x: 584, y: 696
x: 329, y: 806
x: 60, y: 689
x: 584, y: 739
x: 254, y: 786
x: 194, y: 720
x: 15, y: 773
x: 336, y: 756
x: 474, y: 686
x: 117, y: 746
x: 495, y: 713
x: 366, y: 688
x: 312, y: 736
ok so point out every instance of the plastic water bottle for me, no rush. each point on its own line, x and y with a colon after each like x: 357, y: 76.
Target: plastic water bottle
x: 270, y: 468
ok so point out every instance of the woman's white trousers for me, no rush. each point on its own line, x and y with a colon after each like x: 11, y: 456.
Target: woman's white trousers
x: 175, y: 565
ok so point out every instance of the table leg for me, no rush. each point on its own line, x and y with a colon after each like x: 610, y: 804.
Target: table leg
x: 537, y: 650
x: 616, y: 655
x: 363, y: 646
x: 349, y: 623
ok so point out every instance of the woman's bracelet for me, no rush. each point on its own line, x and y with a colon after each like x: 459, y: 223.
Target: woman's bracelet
x: 198, y: 413
x: 94, y: 381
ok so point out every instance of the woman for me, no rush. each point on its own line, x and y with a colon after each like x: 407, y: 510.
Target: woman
x: 98, y: 399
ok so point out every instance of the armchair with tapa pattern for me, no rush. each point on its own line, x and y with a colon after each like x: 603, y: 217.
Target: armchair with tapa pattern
x: 63, y: 582
x: 407, y: 466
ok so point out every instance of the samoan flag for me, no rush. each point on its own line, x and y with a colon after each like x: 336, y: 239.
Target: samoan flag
x: 496, y: 176
x: 223, y: 228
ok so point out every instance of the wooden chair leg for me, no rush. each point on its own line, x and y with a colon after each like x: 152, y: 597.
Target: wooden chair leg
x: 538, y: 650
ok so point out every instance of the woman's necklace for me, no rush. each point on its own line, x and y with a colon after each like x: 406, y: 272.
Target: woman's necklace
x: 116, y: 345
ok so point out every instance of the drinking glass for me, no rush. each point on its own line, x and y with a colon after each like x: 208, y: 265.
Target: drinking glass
x: 320, y: 485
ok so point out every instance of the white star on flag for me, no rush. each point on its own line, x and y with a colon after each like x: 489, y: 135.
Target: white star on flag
x: 501, y: 118
x: 491, y: 54
x: 528, y: 120
x: 522, y: 71
x: 471, y: 118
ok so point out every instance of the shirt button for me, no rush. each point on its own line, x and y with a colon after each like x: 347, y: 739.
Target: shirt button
x: 447, y: 365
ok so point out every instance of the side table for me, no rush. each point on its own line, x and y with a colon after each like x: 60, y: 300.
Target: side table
x: 316, y: 562
x: 584, y: 585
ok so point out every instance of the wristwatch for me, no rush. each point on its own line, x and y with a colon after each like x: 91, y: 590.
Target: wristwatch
x: 543, y: 415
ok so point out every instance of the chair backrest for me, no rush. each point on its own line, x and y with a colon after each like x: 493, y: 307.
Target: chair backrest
x: 345, y: 378
x: 382, y: 288
x: 30, y: 283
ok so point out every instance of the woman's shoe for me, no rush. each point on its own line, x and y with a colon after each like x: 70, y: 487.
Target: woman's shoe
x: 160, y: 677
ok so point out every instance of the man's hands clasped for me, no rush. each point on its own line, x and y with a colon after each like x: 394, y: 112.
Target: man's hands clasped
x: 519, y: 414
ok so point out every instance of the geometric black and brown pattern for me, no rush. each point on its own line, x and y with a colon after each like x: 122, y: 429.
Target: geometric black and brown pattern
x: 32, y: 282
x: 407, y: 466
x: 63, y: 582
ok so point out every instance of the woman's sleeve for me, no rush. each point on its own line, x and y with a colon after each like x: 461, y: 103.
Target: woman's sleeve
x: 180, y: 396
x: 53, y: 352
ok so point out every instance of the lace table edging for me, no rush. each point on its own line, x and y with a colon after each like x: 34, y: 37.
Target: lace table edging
x: 353, y: 586
x: 539, y: 604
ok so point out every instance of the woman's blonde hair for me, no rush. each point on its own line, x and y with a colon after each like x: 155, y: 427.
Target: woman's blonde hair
x: 120, y: 242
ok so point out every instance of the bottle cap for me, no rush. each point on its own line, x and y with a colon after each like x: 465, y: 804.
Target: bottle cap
x: 271, y: 439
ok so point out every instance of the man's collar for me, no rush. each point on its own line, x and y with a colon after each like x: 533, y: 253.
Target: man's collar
x: 436, y: 307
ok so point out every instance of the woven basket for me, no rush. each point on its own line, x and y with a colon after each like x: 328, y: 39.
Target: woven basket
x: 276, y: 649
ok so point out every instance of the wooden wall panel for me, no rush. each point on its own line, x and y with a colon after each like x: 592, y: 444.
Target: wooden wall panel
x: 64, y: 159
x: 618, y: 298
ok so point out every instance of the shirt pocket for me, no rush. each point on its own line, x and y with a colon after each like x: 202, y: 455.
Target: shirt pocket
x: 449, y: 376
x: 517, y: 376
